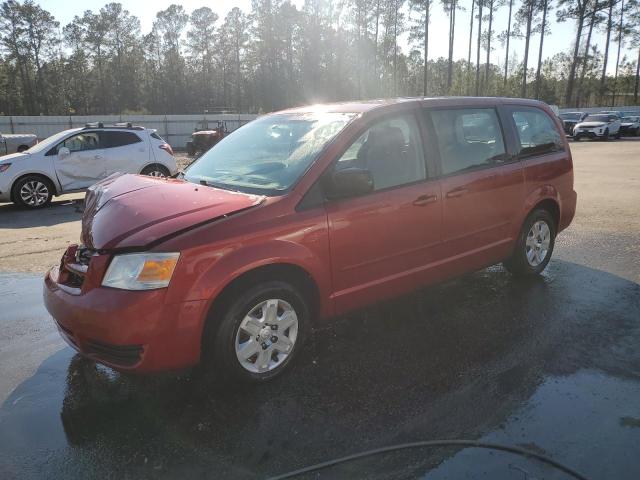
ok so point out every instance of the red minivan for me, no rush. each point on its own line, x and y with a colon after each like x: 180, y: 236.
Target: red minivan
x: 302, y: 215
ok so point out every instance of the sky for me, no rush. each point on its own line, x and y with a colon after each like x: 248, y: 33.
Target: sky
x: 561, y: 37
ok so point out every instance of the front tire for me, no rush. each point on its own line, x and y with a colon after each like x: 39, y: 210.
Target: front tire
x: 32, y: 191
x: 534, y: 246
x: 258, y: 335
x: 617, y: 135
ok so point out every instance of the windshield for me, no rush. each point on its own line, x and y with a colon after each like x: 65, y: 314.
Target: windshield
x: 50, y: 141
x: 268, y: 155
x: 570, y: 116
x: 597, y: 118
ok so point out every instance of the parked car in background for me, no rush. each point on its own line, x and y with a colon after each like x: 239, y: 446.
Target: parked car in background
x: 306, y: 214
x: 630, y: 125
x: 598, y: 125
x: 570, y: 120
x: 203, y: 138
x: 73, y: 160
x: 16, y: 142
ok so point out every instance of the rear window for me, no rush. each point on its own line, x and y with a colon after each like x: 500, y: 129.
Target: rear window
x: 118, y: 139
x: 537, y: 133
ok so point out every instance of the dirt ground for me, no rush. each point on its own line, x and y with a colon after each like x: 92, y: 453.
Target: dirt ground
x: 607, y: 179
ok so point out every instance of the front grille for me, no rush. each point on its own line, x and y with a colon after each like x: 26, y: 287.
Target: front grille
x: 125, y: 355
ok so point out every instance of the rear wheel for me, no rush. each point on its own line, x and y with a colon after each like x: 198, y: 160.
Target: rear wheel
x: 534, y: 245
x: 258, y: 335
x: 32, y: 191
x: 155, y: 170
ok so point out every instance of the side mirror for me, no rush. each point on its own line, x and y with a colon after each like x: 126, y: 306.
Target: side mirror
x: 350, y: 182
x: 63, y: 152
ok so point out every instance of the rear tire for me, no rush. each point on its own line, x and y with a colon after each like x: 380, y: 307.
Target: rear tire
x: 155, y: 170
x: 32, y: 191
x: 605, y: 137
x: 257, y: 335
x: 534, y: 246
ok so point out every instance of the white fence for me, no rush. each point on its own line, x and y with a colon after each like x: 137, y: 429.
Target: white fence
x: 175, y: 129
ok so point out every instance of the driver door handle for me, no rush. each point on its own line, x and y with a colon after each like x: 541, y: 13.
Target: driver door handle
x: 423, y: 200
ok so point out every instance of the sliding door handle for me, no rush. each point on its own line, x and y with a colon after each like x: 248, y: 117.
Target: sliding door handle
x: 423, y: 200
x: 456, y: 192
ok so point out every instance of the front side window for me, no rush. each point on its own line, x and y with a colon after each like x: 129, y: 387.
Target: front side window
x: 81, y: 142
x: 269, y: 155
x: 468, y: 138
x: 390, y: 150
x: 536, y: 131
x: 118, y: 139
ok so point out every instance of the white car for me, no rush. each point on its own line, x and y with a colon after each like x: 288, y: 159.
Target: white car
x: 598, y: 125
x: 75, y: 159
x: 630, y: 125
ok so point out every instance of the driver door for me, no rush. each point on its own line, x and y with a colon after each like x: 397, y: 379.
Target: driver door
x: 83, y: 165
x: 384, y: 243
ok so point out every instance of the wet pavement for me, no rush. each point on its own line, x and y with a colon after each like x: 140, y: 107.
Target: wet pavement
x: 550, y: 364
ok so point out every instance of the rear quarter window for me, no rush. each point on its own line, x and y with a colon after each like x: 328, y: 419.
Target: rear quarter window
x: 118, y: 139
x: 536, y: 132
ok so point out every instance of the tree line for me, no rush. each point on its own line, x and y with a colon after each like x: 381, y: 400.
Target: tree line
x: 278, y: 55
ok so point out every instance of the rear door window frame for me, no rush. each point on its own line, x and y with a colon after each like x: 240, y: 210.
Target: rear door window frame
x: 425, y: 114
x: 510, y: 109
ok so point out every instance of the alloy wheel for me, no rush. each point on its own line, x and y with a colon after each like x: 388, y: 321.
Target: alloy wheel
x: 34, y: 193
x: 266, y: 336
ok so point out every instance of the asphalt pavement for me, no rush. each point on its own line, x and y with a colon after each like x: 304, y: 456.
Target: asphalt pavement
x: 550, y: 364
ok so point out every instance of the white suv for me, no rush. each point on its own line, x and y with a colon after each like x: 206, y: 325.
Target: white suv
x: 75, y: 159
x: 598, y: 125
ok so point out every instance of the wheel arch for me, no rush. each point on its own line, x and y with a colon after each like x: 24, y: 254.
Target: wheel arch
x: 552, y: 206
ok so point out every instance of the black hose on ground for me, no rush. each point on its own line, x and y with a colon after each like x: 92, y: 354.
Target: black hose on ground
x: 434, y: 443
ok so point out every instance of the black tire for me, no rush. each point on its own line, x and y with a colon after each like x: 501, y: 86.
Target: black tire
x: 41, y: 187
x: 617, y: 135
x: 219, y: 358
x: 605, y: 137
x: 22, y: 148
x: 155, y: 170
x: 518, y: 263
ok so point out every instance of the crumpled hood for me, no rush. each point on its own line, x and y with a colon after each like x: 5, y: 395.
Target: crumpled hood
x: 125, y: 211
x: 590, y: 124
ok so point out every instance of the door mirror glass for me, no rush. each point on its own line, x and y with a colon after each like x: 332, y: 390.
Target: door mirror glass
x: 63, y: 152
x: 348, y: 182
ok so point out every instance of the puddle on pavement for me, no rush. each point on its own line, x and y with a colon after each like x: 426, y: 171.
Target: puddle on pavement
x: 583, y: 420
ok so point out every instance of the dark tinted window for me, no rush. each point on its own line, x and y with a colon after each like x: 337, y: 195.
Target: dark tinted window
x: 536, y: 131
x: 118, y: 139
x: 468, y: 138
x: 391, y: 150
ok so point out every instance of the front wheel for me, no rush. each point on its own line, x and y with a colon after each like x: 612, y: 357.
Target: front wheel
x: 617, y: 135
x: 32, y: 191
x: 258, y: 335
x: 534, y: 245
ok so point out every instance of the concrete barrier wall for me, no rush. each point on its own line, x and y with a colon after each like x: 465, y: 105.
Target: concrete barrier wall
x: 175, y: 129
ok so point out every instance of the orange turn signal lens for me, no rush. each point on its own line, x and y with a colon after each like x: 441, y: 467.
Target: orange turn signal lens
x: 157, y: 270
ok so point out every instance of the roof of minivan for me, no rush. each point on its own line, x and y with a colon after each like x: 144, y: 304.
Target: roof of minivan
x: 363, y: 106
